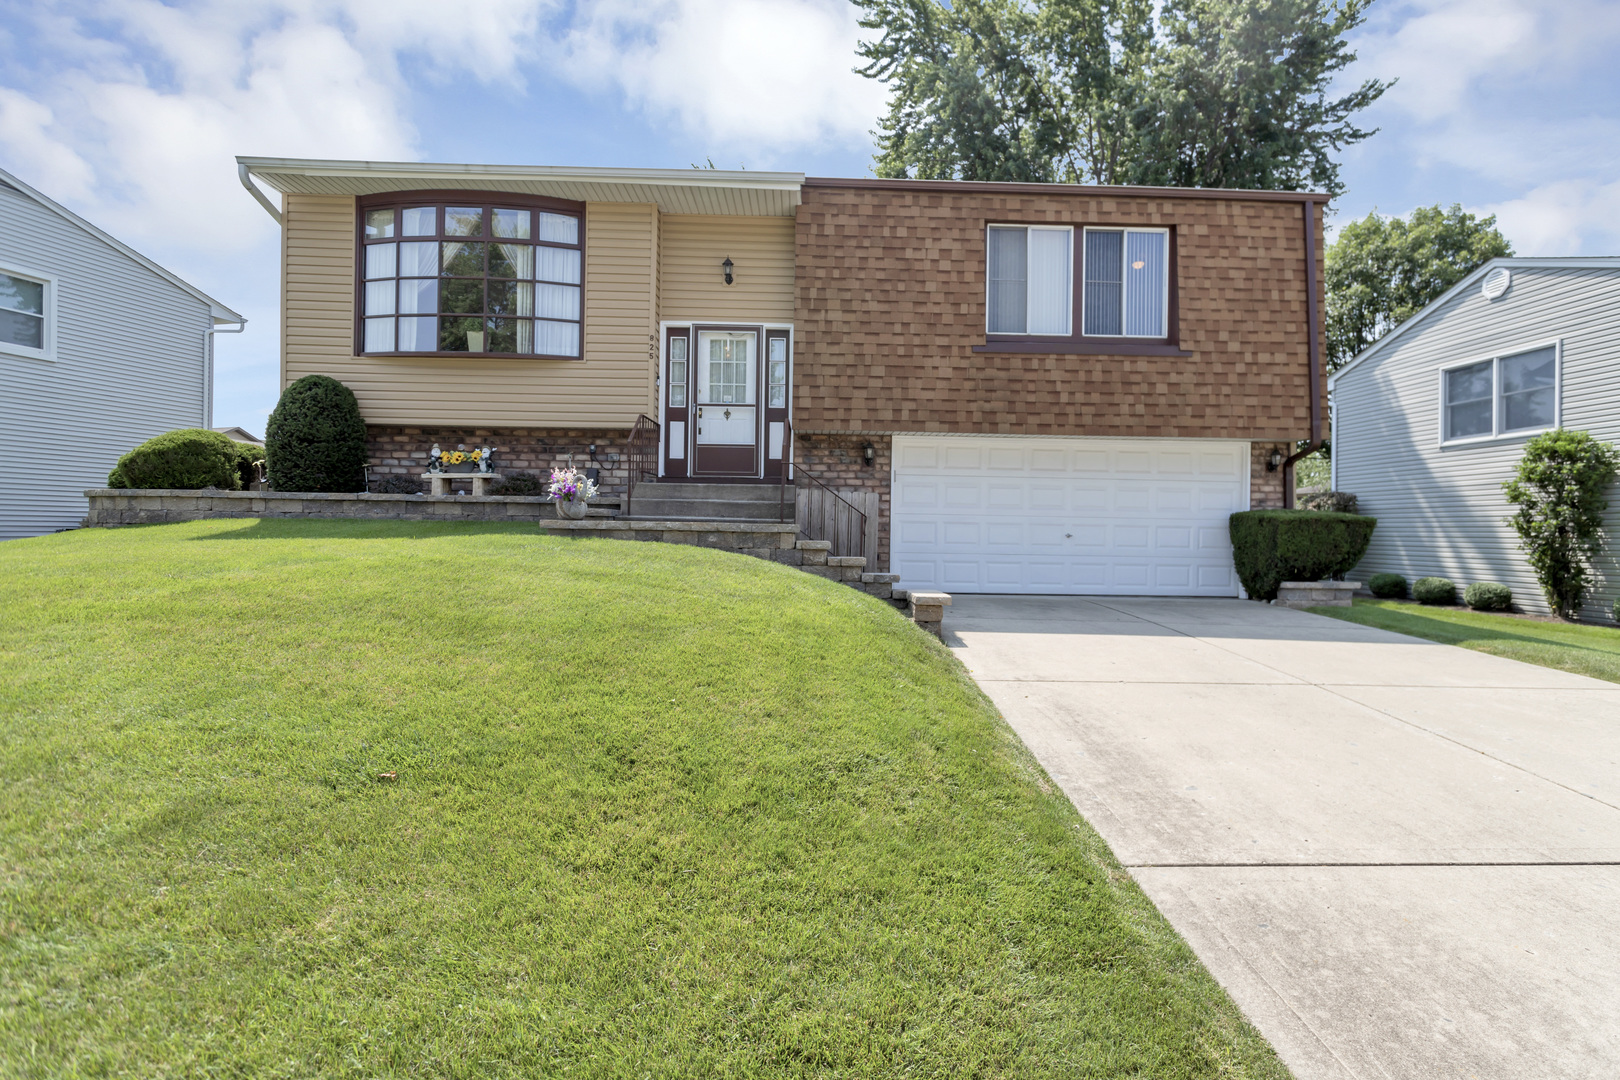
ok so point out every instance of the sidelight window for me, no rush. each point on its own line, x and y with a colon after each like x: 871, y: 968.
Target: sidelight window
x: 470, y: 277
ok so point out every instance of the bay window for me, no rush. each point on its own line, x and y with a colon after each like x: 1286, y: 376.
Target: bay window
x: 471, y: 274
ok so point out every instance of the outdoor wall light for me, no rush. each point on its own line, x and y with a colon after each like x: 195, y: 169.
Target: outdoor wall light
x: 726, y: 266
x: 1274, y: 462
x: 869, y: 452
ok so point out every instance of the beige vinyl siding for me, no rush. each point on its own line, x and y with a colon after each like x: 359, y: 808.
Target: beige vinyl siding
x: 692, y: 284
x: 1441, y: 510
x: 608, y: 388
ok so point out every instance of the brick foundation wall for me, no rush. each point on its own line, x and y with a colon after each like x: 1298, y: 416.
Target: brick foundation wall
x: 404, y: 450
x: 1265, y: 486
x: 839, y: 462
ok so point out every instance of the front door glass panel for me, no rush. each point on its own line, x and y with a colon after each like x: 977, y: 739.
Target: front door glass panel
x: 727, y: 389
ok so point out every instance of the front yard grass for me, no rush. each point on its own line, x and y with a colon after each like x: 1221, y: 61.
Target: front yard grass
x: 1583, y: 648
x: 298, y: 799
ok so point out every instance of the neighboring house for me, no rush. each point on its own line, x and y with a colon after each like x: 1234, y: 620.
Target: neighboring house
x: 236, y: 434
x: 1049, y: 388
x: 1431, y: 420
x: 100, y: 349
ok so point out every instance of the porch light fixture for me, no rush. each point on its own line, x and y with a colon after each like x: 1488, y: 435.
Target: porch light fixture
x: 869, y: 452
x: 726, y: 266
x: 1274, y: 462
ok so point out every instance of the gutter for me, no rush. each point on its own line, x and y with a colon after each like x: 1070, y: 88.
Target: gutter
x: 1312, y: 313
x: 253, y: 189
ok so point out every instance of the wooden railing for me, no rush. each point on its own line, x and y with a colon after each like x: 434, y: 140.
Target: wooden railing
x: 641, y: 457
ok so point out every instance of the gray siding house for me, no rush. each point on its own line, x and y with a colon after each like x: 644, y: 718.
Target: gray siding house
x: 1431, y: 420
x: 100, y: 349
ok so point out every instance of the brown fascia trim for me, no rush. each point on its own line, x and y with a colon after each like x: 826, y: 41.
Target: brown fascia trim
x: 1315, y: 339
x: 1083, y: 348
x: 986, y: 187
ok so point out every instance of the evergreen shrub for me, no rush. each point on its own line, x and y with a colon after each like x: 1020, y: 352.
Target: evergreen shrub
x: 316, y: 438
x: 1434, y: 590
x: 1340, y: 502
x: 1270, y: 547
x: 520, y: 483
x: 1488, y: 596
x: 188, y: 459
x: 395, y: 484
x: 1388, y: 586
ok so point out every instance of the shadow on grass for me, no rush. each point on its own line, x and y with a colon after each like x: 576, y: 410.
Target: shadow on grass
x: 362, y: 529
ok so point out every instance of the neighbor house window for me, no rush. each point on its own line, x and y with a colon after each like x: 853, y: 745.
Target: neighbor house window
x: 465, y: 276
x: 1504, y: 395
x: 1030, y: 280
x: 24, y: 314
x: 1127, y: 292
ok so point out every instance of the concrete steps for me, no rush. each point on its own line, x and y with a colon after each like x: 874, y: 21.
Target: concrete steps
x: 694, y: 501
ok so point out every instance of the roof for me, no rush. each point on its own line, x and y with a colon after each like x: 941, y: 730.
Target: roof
x: 1005, y: 187
x: 218, y: 311
x: 242, y: 435
x: 675, y: 191
x: 1571, y: 262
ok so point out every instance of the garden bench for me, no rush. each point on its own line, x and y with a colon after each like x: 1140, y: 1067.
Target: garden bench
x: 440, y: 481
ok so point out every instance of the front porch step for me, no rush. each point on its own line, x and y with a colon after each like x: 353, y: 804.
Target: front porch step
x: 691, y: 501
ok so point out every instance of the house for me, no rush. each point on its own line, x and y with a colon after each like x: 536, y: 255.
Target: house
x: 241, y: 435
x: 1040, y: 388
x: 1431, y: 420
x: 100, y: 349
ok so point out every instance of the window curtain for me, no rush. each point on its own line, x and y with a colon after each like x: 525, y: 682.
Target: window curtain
x: 1009, y: 286
x: 1050, y: 286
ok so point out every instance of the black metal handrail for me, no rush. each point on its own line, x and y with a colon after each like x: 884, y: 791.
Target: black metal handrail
x: 641, y: 457
x: 842, y: 507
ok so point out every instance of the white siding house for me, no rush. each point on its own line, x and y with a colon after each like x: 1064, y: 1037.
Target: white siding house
x: 1431, y: 420
x: 100, y: 349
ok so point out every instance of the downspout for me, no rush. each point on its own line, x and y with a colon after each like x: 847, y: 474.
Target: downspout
x: 1315, y: 337
x: 208, y: 369
x: 253, y: 189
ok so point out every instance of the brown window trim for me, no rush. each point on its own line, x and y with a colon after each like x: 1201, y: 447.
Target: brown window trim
x: 1082, y: 344
x: 460, y: 196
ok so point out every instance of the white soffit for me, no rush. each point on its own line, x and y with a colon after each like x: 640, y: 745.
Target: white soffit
x: 674, y: 191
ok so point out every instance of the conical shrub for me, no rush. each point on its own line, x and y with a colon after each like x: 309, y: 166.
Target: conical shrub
x: 316, y: 438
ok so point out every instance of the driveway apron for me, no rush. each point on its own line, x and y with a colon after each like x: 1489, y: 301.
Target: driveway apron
x: 1402, y: 859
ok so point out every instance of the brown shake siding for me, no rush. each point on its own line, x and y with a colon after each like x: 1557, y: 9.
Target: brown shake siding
x: 890, y: 289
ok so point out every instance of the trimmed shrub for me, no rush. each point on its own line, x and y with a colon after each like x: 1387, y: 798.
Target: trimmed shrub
x: 1338, y: 502
x: 247, y: 456
x: 1270, y: 547
x: 1559, y: 490
x: 1434, y: 590
x: 189, y: 459
x: 395, y: 484
x: 1488, y: 596
x: 316, y: 439
x: 520, y: 483
x: 1387, y: 586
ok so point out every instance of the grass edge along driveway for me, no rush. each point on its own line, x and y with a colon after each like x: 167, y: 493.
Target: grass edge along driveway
x: 1583, y: 648
x: 395, y: 799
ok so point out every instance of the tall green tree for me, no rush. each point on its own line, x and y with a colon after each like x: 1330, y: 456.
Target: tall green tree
x: 1559, y: 490
x: 1383, y: 270
x: 1213, y: 93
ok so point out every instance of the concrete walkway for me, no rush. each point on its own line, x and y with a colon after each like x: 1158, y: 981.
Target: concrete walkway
x: 1401, y: 858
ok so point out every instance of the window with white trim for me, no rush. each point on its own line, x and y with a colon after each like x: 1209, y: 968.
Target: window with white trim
x: 24, y: 314
x: 1127, y: 283
x: 1030, y: 280
x: 1512, y: 394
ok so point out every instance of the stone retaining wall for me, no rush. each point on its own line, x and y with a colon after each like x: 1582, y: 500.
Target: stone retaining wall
x: 151, y: 506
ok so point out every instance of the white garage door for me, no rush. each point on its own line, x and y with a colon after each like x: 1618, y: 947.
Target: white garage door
x: 1014, y: 515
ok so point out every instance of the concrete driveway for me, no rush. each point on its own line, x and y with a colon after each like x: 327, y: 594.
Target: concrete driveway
x: 1402, y: 859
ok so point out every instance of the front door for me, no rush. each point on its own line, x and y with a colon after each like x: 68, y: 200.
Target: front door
x: 726, y: 404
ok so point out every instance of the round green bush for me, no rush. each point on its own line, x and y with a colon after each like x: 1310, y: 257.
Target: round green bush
x: 316, y: 438
x: 1434, y: 590
x: 1488, y: 596
x: 1388, y: 586
x: 188, y: 459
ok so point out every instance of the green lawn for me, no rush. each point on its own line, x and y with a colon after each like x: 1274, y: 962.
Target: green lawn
x: 1579, y: 647
x: 656, y: 811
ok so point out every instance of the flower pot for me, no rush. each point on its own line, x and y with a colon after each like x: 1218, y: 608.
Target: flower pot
x: 573, y: 509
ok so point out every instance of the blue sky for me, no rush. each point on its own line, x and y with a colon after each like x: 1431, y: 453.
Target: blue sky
x: 131, y: 111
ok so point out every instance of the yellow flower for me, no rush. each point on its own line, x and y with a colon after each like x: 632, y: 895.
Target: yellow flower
x: 457, y: 458
x: 476, y: 454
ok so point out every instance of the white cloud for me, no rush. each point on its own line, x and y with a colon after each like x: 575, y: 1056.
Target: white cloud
x: 760, y: 73
x: 1567, y: 217
x: 24, y: 138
